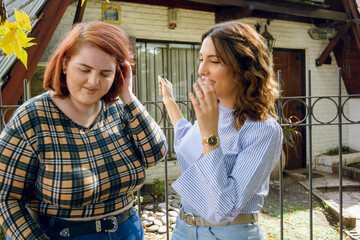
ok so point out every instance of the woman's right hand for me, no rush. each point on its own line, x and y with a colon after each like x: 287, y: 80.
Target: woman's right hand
x: 165, y: 89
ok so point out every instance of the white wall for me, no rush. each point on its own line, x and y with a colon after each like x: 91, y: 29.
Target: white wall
x: 150, y: 22
x: 354, y: 130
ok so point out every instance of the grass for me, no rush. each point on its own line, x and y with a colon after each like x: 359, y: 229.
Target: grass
x: 296, y: 220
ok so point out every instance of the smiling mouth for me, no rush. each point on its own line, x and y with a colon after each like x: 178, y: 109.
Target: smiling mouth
x: 90, y: 90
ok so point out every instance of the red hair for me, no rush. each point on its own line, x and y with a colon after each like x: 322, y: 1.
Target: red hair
x: 107, y: 37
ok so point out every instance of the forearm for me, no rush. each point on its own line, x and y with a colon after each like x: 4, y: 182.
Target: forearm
x: 148, y: 136
x: 173, y: 111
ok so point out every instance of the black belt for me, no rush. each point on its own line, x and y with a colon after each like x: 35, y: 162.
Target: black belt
x: 77, y: 228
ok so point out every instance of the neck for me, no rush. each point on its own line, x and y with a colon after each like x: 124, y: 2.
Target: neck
x: 229, y: 103
x: 82, y: 114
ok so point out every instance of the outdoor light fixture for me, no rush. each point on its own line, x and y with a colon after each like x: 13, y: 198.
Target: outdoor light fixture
x: 172, y: 18
x: 270, y: 40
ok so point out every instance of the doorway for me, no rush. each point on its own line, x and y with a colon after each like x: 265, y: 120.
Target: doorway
x: 292, y: 65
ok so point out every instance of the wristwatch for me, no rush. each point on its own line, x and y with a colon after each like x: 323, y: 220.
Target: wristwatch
x: 212, y: 141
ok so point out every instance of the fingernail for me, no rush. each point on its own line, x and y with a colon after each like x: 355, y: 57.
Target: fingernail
x: 162, y: 75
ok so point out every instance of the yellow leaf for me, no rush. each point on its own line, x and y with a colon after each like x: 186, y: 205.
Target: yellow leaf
x: 27, y: 21
x: 82, y: 2
x: 8, y: 38
x: 17, y: 47
x: 7, y: 50
x: 22, y: 37
x: 108, y: 1
x: 18, y: 16
x: 23, y: 57
x: 29, y: 44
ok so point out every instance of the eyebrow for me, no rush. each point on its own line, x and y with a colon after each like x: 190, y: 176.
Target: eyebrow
x: 84, y: 65
x: 209, y: 56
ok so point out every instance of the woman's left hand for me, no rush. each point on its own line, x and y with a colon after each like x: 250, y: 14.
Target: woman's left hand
x: 126, y: 93
x: 206, y: 109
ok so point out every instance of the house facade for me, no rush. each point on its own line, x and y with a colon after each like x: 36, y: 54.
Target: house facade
x: 160, y: 49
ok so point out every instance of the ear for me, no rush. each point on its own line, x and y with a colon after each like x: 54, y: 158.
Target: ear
x: 64, y: 65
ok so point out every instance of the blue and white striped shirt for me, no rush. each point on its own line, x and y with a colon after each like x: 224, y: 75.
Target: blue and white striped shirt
x: 232, y: 179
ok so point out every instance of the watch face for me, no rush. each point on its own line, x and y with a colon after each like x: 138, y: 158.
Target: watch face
x: 212, y: 141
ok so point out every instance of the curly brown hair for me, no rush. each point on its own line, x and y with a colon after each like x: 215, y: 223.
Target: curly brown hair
x: 243, y: 49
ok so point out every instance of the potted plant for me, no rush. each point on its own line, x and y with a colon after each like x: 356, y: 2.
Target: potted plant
x: 290, y: 137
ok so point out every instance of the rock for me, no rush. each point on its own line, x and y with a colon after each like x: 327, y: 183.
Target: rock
x: 147, y: 223
x: 163, y: 210
x: 152, y: 219
x: 152, y: 228
x: 173, y: 213
x: 175, y: 209
x: 162, y: 229
x: 163, y: 205
x: 173, y: 219
x: 149, y: 207
x: 144, y: 216
x: 172, y: 226
x: 146, y: 212
x: 163, y: 219
x: 158, y: 222
x: 160, y: 214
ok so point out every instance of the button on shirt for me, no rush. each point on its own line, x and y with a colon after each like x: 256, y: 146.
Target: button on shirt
x: 233, y: 178
x: 58, y: 168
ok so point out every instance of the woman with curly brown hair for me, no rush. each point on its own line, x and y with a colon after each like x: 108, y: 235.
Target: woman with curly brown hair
x: 227, y: 156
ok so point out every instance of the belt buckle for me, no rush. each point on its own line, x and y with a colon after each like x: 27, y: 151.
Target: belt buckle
x: 114, y: 221
x: 192, y: 217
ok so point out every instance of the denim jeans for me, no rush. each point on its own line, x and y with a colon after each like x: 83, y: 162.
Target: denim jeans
x: 131, y: 229
x: 246, y: 231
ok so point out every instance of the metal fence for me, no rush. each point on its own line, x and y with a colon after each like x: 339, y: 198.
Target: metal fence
x: 308, y: 122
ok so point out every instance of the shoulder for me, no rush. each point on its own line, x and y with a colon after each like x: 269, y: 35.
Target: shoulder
x: 116, y: 107
x: 269, y: 128
x: 32, y: 108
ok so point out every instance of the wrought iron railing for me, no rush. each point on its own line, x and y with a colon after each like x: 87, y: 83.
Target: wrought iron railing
x: 310, y: 120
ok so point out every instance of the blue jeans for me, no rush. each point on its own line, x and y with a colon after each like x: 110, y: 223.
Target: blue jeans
x: 246, y: 231
x: 131, y: 229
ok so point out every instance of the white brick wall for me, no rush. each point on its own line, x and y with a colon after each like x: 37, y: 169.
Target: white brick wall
x: 354, y: 130
x: 150, y: 22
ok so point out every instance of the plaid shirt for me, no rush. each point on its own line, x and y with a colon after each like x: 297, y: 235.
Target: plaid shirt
x: 58, y: 168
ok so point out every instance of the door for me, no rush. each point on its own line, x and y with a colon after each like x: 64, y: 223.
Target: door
x: 292, y: 66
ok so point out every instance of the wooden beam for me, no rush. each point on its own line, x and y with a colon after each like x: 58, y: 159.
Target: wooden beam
x: 305, y: 11
x: 43, y: 31
x: 173, y: 3
x: 330, y: 47
x: 351, y: 11
x: 231, y: 13
x: 79, y: 12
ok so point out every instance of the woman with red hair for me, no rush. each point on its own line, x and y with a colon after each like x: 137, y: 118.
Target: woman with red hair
x: 71, y: 158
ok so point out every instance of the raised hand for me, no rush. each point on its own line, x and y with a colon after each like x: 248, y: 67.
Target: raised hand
x: 126, y: 94
x: 206, y: 109
x: 166, y: 89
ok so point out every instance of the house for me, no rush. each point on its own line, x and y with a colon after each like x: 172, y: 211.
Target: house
x: 166, y: 35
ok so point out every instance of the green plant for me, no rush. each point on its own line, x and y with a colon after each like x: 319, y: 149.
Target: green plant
x: 159, y: 188
x: 335, y: 151
x: 136, y: 199
x: 291, y: 135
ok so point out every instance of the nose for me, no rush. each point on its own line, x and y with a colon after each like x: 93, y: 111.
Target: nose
x: 203, y: 69
x: 94, y: 78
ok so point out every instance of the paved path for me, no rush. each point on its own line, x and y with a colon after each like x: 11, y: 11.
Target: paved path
x: 326, y: 187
